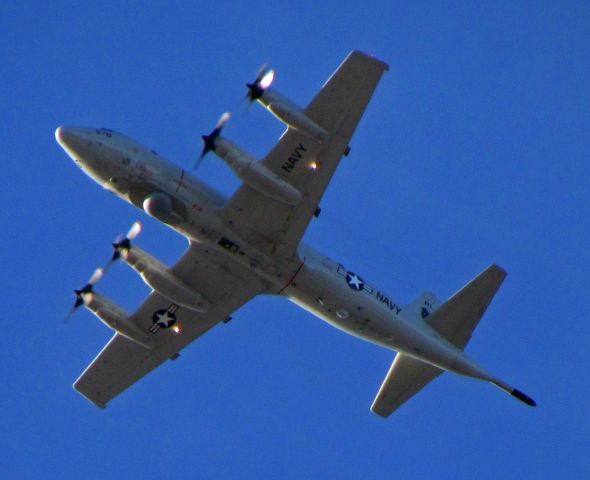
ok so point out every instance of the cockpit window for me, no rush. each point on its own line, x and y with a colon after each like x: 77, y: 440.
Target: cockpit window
x: 107, y: 132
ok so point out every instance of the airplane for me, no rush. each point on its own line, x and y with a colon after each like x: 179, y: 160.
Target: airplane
x: 250, y: 244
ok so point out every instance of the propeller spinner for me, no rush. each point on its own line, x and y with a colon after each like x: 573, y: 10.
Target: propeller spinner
x: 209, y: 140
x: 82, y: 293
x: 263, y: 81
x: 123, y: 243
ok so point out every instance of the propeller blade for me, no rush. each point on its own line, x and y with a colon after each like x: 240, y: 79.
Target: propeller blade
x: 96, y: 276
x: 200, y: 160
x: 267, y: 79
x: 72, y: 311
x: 134, y: 231
x: 120, y: 239
x: 222, y: 121
x: 261, y: 72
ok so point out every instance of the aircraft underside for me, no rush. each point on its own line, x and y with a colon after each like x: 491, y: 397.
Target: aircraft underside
x: 250, y: 244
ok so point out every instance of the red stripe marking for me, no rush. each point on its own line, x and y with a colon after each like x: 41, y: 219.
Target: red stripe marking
x: 180, y: 181
x: 293, y: 277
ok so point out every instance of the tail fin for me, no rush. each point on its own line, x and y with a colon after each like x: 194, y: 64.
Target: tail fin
x: 456, y: 319
x: 423, y: 306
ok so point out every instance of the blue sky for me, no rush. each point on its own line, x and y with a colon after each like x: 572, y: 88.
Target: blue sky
x: 474, y: 150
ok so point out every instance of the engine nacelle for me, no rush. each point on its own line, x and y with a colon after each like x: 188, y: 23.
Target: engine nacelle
x: 254, y: 174
x: 161, y: 206
x: 155, y: 274
x: 114, y: 317
x: 290, y: 114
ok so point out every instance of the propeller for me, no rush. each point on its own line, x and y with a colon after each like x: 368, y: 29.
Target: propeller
x: 85, y: 290
x: 123, y: 243
x: 209, y: 140
x: 263, y: 81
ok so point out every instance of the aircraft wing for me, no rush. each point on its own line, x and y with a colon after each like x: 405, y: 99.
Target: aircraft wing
x: 406, y: 377
x: 121, y: 363
x: 275, y: 227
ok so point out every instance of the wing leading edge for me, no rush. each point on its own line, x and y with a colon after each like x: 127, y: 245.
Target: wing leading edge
x: 122, y: 362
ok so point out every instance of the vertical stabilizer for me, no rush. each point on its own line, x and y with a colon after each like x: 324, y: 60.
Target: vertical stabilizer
x: 423, y: 306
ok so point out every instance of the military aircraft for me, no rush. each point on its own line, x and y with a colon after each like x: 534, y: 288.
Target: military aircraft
x: 250, y: 244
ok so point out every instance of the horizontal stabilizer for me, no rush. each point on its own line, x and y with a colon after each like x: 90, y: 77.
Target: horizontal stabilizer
x: 406, y: 377
x: 456, y: 319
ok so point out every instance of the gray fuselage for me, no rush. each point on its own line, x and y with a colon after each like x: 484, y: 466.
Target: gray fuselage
x: 316, y: 283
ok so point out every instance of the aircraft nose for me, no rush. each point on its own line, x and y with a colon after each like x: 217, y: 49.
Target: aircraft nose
x: 58, y: 134
x: 72, y: 139
x: 66, y: 136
